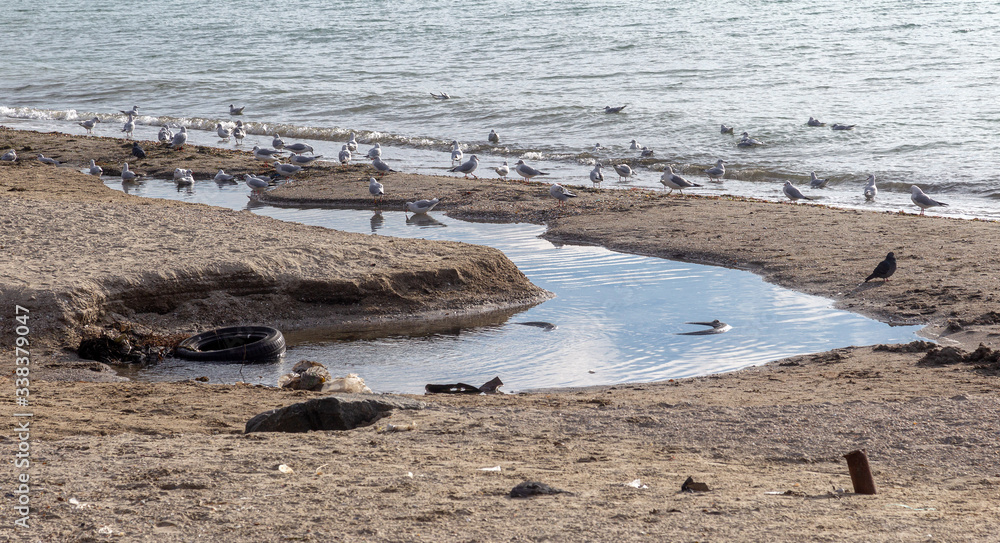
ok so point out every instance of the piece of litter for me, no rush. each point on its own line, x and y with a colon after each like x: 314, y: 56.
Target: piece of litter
x: 78, y: 504
x: 494, y: 468
x: 283, y: 468
x: 319, y: 470
x: 106, y: 530
x: 636, y: 484
x: 409, y: 474
x: 390, y: 428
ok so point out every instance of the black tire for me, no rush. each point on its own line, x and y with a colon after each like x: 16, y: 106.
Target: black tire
x: 234, y: 344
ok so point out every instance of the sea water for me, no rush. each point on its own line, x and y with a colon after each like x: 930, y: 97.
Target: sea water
x: 917, y: 79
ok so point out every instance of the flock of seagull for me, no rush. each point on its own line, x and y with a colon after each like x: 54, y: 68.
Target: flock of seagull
x: 297, y: 160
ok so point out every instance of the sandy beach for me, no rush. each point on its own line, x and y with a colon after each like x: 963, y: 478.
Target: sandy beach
x: 131, y: 461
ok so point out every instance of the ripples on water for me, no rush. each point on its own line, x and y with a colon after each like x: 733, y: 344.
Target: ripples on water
x: 918, y: 79
x: 617, y: 316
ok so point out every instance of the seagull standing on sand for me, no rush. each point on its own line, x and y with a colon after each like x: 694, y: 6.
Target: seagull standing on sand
x: 624, y: 172
x: 503, y: 170
x: 673, y: 181
x: 375, y: 152
x: 233, y: 110
x: 298, y: 148
x: 921, y: 200
x: 239, y: 132
x: 596, y: 176
x: 816, y: 182
x: 267, y: 154
x: 286, y: 170
x: 527, y: 172
x: 165, y: 134
x: 884, y: 270
x: 560, y: 193
x: 375, y: 189
x: 9, y: 156
x: 89, y: 125
x: 95, y: 169
x: 277, y: 142
x: 793, y: 193
x: 726, y: 129
x: 300, y: 160
x: 128, y: 176
x: 421, y: 207
x: 716, y: 172
x: 381, y: 166
x: 870, y: 189
x: 46, y: 160
x: 180, y: 139
x: 467, y: 167
x: 493, y: 137
x: 345, y: 156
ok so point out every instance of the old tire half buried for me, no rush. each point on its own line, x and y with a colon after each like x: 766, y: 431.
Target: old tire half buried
x: 234, y: 344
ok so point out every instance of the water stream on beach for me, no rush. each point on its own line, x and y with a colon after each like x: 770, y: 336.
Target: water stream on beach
x: 617, y: 316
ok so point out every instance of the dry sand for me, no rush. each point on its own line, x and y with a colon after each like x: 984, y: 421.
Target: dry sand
x: 168, y: 461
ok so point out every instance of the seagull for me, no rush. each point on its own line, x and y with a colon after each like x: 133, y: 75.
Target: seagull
x: 838, y: 126
x: 921, y: 200
x: 345, y: 155
x: 375, y: 152
x: 870, y: 189
x: 165, y: 134
x: 179, y: 138
x: 95, y: 169
x: 239, y: 132
x: 129, y: 127
x: 375, y: 189
x: 624, y: 172
x: 527, y: 172
x: 634, y: 146
x: 816, y: 182
x: 233, y: 110
x: 884, y: 270
x: 595, y: 175
x: 421, y: 206
x: 224, y: 133
x: 286, y: 170
x: 179, y: 173
x: 267, y: 153
x: 597, y: 148
x: 747, y: 141
x: 185, y: 180
x: 560, y: 193
x: 277, y: 142
x: 493, y: 137
x: 456, y: 152
x: 503, y: 170
x: 128, y: 176
x: 299, y: 148
x: 134, y: 112
x: 137, y: 151
x: 609, y: 109
x: 46, y: 160
x: 442, y: 96
x: 9, y: 156
x: 89, y: 125
x: 673, y: 181
x: 646, y: 152
x: 726, y: 129
x: 300, y: 160
x: 352, y: 144
x: 793, y: 193
x: 256, y: 184
x: 381, y: 166
x: 223, y: 177
x: 815, y: 122
x: 716, y: 172
x: 467, y: 167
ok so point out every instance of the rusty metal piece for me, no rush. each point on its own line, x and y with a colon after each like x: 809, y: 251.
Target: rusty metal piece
x: 861, y: 474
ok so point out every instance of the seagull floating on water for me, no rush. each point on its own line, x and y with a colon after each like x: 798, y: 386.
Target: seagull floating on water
x: 493, y: 137
x: 128, y: 176
x: 870, y: 189
x: 747, y: 141
x: 560, y: 193
x: 233, y: 110
x: 442, y: 96
x: 624, y: 172
x: 422, y: 206
x: 256, y: 184
x: 815, y: 122
x: 673, y: 181
x: 95, y: 169
x: 596, y: 176
x: 223, y: 177
x: 838, y: 126
x: 467, y: 167
x: 921, y: 200
x: 793, y: 193
x: 646, y: 152
x: 609, y: 109
x: 726, y: 129
x: 816, y: 182
x: 89, y: 124
x: 527, y: 172
x: 634, y: 146
x: 503, y: 170
x: 716, y: 172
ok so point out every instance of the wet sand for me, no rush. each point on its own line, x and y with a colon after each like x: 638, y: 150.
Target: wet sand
x: 168, y: 461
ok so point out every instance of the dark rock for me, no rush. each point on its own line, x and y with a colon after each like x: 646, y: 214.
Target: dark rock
x: 341, y: 412
x: 911, y: 347
x: 942, y: 357
x: 533, y: 488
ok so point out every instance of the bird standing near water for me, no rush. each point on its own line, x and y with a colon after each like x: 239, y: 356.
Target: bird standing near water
x: 560, y: 193
x: 375, y: 151
x: 885, y: 269
x: 793, y: 193
x: 180, y: 139
x: 816, y: 182
x: 624, y: 172
x: 223, y: 132
x: 89, y: 124
x: 381, y: 166
x: 95, y: 169
x: 870, y: 189
x: 527, y: 172
x: 165, y: 134
x: 467, y: 167
x: 673, y: 181
x: 375, y: 189
x: 716, y: 172
x: 596, y: 175
x: 503, y: 170
x: 421, y: 206
x: 344, y: 156
x: 921, y: 200
x: 456, y: 153
x: 239, y: 132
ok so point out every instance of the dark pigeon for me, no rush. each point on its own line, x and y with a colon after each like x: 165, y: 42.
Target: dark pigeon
x: 885, y: 269
x: 137, y: 151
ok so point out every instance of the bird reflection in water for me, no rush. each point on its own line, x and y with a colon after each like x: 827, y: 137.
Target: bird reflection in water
x: 377, y: 220
x: 423, y: 220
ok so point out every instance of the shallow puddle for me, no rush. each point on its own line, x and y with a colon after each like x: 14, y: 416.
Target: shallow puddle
x: 616, y: 317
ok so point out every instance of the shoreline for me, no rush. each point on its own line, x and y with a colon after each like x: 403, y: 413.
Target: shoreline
x: 768, y: 440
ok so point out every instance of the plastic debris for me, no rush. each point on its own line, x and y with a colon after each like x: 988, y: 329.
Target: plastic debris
x: 283, y: 468
x: 494, y: 468
x: 636, y: 484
